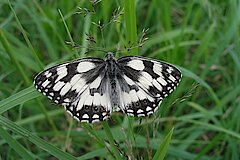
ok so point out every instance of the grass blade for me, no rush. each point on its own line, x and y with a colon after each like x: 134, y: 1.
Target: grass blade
x: 131, y: 27
x: 15, y: 145
x: 162, y: 150
x: 18, y: 98
x: 35, y: 139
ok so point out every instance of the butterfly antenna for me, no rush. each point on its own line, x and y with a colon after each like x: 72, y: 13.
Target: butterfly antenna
x: 89, y: 48
x: 131, y: 45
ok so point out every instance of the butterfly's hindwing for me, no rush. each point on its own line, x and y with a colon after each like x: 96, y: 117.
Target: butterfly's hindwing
x: 153, y: 81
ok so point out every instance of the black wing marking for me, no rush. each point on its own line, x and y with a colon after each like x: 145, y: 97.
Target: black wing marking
x: 149, y: 81
x: 76, y: 85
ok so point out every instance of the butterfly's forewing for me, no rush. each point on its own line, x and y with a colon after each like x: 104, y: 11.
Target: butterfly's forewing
x: 78, y: 86
x: 149, y: 81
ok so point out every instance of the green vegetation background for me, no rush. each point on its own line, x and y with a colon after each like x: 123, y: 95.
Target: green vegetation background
x: 200, y: 37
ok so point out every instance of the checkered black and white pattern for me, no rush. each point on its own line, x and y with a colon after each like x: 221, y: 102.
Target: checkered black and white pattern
x: 91, y: 89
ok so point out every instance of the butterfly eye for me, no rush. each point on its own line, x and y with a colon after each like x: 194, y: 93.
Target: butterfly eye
x: 137, y: 103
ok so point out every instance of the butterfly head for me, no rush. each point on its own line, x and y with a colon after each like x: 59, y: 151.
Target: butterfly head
x: 110, y: 56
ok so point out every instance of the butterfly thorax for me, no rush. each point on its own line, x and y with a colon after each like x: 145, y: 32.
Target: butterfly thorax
x: 111, y: 65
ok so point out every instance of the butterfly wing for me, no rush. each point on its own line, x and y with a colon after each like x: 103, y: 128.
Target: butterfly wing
x: 147, y: 82
x: 79, y: 87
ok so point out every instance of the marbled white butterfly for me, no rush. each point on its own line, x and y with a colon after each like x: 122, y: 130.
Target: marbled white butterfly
x: 90, y: 89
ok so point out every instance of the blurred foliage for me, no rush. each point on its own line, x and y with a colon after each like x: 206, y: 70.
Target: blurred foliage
x: 201, y: 37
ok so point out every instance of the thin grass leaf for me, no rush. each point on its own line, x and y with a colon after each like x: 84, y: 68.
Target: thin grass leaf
x: 69, y: 34
x: 13, y: 58
x: 18, y: 98
x: 93, y: 154
x: 21, y: 150
x: 35, y: 139
x: 111, y: 140
x: 131, y: 27
x: 162, y: 150
x: 25, y: 36
x: 215, y: 128
x: 188, y: 73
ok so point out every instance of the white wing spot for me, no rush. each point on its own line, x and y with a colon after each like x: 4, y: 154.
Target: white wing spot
x: 62, y: 72
x: 89, y: 100
x: 141, y: 115
x: 79, y: 85
x: 45, y: 83
x: 71, y: 108
x: 141, y: 94
x: 67, y: 100
x: 144, y: 82
x: 85, y: 120
x: 48, y: 75
x: 96, y: 82
x: 148, y: 108
x: 95, y: 116
x: 65, y: 89
x: 128, y: 80
x: 172, y: 78
x: 157, y: 68
x: 151, y: 112
x: 85, y: 116
x: 140, y: 111
x: 147, y: 76
x: 85, y: 66
x: 58, y: 86
x: 126, y: 98
x: 136, y: 64
x: 83, y: 98
x: 162, y: 81
x: 103, y: 100
x: 95, y: 120
x: 75, y: 79
x: 129, y: 111
x: 157, y: 85
x: 170, y: 69
x: 96, y: 99
x: 130, y: 114
x: 133, y: 95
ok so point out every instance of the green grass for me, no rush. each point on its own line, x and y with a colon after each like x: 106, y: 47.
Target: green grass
x: 200, y: 37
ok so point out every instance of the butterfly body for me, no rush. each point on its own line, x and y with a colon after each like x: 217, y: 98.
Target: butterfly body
x: 91, y: 89
x: 111, y: 74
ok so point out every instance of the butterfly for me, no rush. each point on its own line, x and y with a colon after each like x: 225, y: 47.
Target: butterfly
x: 91, y: 89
